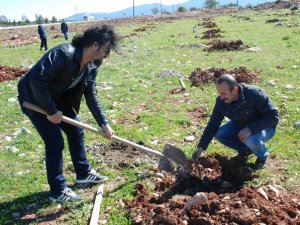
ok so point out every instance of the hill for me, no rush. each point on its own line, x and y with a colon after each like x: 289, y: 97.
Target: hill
x: 146, y: 9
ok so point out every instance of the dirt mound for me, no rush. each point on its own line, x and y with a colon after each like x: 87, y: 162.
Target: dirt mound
x: 224, y: 45
x: 11, y: 73
x: 16, y: 38
x: 241, y: 74
x: 213, y: 33
x: 212, y: 194
x: 209, y: 24
x: 275, y: 5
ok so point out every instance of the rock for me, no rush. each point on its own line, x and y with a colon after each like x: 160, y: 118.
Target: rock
x: 154, y: 142
x: 226, y: 197
x: 7, y: 138
x: 121, y: 203
x: 11, y: 149
x: 22, y: 155
x: 189, y: 138
x: 198, y: 199
x: 297, y: 124
x: 12, y: 100
x: 24, y: 130
x: 226, y: 184
x: 137, y: 162
x: 253, y: 49
x: 271, y: 83
x: 160, y: 175
x: 274, y: 189
x: 102, y: 221
x: 262, y: 193
x: 106, y: 88
x: 289, y: 87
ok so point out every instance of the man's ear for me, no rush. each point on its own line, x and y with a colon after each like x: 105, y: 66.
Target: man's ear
x: 235, y: 89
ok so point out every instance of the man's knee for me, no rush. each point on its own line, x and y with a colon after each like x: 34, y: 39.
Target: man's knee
x: 55, y: 146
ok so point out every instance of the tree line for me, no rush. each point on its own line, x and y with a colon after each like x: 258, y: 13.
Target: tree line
x: 39, y: 19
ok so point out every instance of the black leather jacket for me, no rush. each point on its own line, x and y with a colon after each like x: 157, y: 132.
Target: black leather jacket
x: 46, y: 83
x: 253, y: 109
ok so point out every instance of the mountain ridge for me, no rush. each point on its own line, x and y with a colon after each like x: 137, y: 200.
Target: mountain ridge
x: 146, y: 9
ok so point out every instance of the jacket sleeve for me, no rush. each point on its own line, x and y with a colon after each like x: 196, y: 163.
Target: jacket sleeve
x: 212, y: 127
x: 93, y: 101
x: 51, y: 64
x: 269, y: 115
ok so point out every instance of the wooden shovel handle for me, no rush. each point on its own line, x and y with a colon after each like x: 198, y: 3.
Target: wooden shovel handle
x: 95, y: 130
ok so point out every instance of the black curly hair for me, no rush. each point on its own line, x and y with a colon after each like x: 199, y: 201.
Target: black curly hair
x: 101, y: 34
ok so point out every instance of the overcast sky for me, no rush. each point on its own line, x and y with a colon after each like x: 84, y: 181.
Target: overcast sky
x: 14, y: 9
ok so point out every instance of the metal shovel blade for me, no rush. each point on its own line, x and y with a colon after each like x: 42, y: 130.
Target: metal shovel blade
x: 173, y: 158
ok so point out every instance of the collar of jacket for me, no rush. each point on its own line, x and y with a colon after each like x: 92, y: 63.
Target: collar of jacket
x: 242, y: 100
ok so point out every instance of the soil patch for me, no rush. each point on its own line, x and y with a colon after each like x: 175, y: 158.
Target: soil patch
x: 209, y: 24
x: 224, y: 45
x: 119, y: 156
x: 11, y: 73
x: 213, y: 33
x: 212, y: 193
x: 241, y: 74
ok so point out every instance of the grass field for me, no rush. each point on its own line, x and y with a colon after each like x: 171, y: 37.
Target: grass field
x: 133, y: 77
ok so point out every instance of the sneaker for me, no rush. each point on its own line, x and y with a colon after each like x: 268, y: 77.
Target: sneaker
x: 92, y: 177
x: 260, y: 163
x: 66, y: 195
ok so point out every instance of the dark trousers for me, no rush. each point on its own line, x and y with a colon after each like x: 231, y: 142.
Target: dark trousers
x: 44, y: 43
x: 54, y: 145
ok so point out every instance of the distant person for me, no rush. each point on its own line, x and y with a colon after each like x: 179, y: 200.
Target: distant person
x: 64, y: 29
x: 43, y: 36
x: 253, y: 120
x: 57, y: 83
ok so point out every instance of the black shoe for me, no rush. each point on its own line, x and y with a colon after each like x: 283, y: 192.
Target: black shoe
x: 260, y: 163
x: 248, y: 152
x: 243, y: 156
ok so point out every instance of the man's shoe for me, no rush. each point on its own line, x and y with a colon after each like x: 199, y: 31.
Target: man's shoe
x: 260, y: 163
x: 239, y: 158
x: 66, y: 195
x: 243, y: 156
x: 92, y: 177
x: 248, y: 152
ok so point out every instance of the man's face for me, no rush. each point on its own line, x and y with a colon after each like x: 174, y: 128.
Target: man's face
x: 225, y: 94
x: 101, y: 52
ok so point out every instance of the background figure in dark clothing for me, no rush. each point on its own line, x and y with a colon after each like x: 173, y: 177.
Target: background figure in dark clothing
x: 64, y: 29
x: 57, y: 83
x: 43, y: 36
x: 252, y: 120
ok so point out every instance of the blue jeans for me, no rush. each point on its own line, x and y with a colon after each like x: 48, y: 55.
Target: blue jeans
x: 228, y: 135
x: 54, y: 144
x: 66, y: 35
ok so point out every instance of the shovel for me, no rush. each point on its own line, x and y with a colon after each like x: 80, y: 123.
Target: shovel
x: 171, y: 159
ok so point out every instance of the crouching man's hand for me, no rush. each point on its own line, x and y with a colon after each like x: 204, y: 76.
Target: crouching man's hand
x: 107, y: 131
x: 197, y: 153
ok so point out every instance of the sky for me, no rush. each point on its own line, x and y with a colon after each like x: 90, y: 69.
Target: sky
x: 15, y: 9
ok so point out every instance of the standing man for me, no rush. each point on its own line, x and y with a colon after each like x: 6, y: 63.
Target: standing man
x: 43, y: 36
x: 253, y: 120
x: 64, y: 29
x: 56, y: 83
